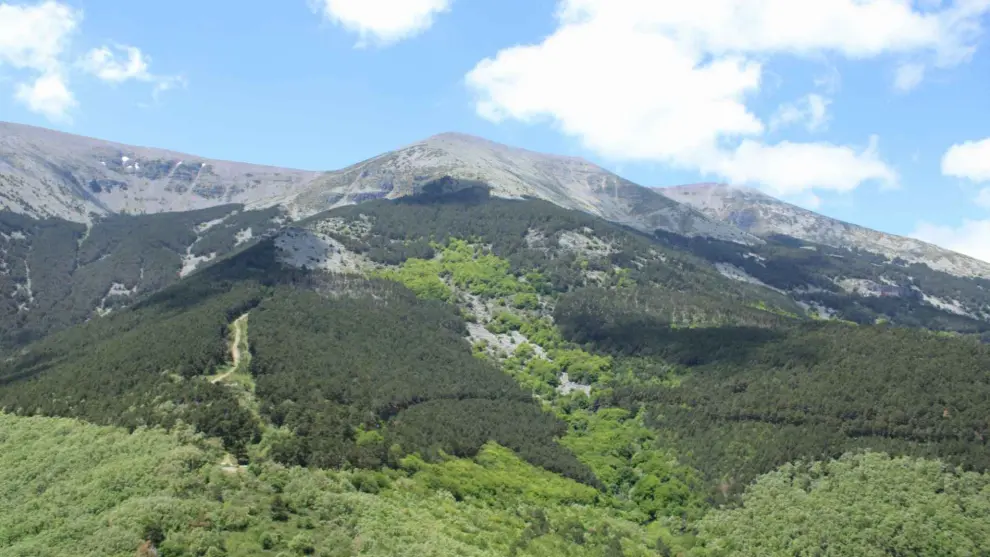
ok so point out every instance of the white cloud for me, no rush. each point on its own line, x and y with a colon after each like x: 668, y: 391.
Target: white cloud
x: 812, y: 110
x: 47, y: 95
x: 625, y: 94
x: 972, y: 238
x: 33, y: 37
x: 970, y: 160
x: 908, y: 76
x: 383, y: 21
x: 852, y: 28
x: 103, y: 63
x: 671, y: 82
x: 132, y: 64
x: 792, y: 168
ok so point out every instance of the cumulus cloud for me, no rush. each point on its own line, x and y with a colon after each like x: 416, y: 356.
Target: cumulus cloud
x: 382, y: 21
x: 671, y: 81
x: 47, y: 95
x: 972, y: 238
x: 104, y: 64
x: 34, y: 38
x: 969, y: 160
x: 811, y: 110
x: 130, y: 65
x: 792, y: 168
x: 852, y: 28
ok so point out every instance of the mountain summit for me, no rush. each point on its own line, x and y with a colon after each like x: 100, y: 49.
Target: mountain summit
x: 762, y: 215
x: 45, y: 173
x: 510, y: 172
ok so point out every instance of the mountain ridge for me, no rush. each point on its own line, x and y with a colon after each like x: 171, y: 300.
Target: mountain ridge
x: 763, y: 215
x: 46, y: 173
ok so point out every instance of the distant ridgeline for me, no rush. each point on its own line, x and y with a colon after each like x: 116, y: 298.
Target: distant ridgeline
x: 412, y: 336
x: 55, y: 273
x: 853, y: 285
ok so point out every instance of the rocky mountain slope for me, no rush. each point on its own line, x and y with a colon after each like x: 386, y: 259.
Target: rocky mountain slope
x: 762, y: 215
x: 568, y: 182
x: 44, y: 173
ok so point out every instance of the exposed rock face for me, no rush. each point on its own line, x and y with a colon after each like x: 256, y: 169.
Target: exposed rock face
x: 47, y: 173
x: 762, y: 215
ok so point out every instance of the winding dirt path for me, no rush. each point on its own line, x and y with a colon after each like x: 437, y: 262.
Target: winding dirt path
x: 235, y: 349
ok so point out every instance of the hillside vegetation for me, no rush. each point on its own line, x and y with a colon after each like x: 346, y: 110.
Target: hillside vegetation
x: 504, y: 378
x: 55, y: 273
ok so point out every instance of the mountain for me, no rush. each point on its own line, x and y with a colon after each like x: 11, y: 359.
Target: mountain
x: 512, y: 173
x: 44, y: 173
x: 454, y: 373
x: 763, y: 215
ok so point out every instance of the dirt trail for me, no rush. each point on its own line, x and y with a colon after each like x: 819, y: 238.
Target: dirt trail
x: 235, y: 349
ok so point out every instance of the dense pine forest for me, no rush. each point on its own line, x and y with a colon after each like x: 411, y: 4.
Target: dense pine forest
x: 495, y: 377
x: 55, y: 273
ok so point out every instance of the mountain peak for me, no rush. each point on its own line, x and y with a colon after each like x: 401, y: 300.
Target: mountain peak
x: 514, y: 173
x: 458, y: 141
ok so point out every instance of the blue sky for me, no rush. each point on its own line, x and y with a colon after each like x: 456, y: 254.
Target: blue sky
x: 872, y: 111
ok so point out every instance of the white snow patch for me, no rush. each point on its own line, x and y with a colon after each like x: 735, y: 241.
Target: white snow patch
x: 17, y: 235
x: 103, y: 163
x: 244, y: 235
x: 123, y: 160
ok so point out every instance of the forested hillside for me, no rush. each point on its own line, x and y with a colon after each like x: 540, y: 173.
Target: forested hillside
x: 55, y: 273
x: 852, y: 285
x: 460, y: 375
